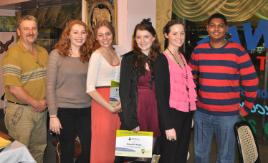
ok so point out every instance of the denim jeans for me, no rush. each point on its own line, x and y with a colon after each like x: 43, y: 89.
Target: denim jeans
x: 206, y: 126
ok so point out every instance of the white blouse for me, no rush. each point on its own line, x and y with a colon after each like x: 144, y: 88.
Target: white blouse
x: 100, y: 72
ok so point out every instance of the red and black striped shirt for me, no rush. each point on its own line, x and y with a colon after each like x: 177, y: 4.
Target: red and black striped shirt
x: 220, y: 75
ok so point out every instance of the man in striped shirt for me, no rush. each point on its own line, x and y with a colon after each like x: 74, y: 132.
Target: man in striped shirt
x: 24, y: 74
x: 221, y: 69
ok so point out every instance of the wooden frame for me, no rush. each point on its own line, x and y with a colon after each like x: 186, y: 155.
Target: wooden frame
x: 105, y: 10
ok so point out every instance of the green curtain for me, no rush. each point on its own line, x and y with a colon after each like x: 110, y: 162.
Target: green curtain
x: 163, y: 15
x: 234, y: 10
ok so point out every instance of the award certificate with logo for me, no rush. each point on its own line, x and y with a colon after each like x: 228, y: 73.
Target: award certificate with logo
x: 134, y: 143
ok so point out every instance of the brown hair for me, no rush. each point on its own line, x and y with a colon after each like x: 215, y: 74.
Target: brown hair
x: 99, y: 24
x: 167, y: 29
x: 64, y: 43
x: 26, y: 17
x: 140, y: 59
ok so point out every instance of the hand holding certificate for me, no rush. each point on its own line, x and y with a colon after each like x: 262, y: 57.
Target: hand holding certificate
x: 134, y: 144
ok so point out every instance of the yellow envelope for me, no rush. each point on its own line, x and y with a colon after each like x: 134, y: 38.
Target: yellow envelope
x: 4, y: 142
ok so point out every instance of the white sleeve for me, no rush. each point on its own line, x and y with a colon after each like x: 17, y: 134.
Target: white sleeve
x: 93, y: 71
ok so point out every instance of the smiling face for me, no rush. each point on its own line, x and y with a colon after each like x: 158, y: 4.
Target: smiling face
x: 217, y: 29
x: 27, y: 31
x: 144, y: 40
x: 104, y: 36
x: 176, y: 35
x: 78, y: 35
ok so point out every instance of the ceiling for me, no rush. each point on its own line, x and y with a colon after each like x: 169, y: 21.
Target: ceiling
x: 30, y: 4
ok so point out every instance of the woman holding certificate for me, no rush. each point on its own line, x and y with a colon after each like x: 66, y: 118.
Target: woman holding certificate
x: 176, y: 96
x: 137, y: 85
x: 68, y: 103
x: 104, y: 67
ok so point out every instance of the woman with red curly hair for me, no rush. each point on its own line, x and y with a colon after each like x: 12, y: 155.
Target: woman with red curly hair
x: 68, y: 102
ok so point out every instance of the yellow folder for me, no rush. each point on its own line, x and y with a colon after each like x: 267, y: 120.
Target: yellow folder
x: 4, y: 142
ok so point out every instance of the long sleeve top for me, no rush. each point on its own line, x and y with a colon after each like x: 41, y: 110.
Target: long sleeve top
x: 100, y: 72
x: 163, y: 81
x: 220, y: 74
x: 182, y: 87
x: 128, y: 93
x: 66, y: 83
x: 162, y: 90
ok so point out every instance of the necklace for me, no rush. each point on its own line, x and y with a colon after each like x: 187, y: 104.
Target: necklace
x: 183, y: 66
x: 180, y: 63
x: 185, y: 76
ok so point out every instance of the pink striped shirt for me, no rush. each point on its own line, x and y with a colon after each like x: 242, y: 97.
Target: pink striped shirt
x: 182, y: 87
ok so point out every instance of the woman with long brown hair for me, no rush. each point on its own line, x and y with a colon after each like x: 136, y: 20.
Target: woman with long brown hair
x: 104, y: 66
x: 137, y: 85
x: 176, y: 96
x: 68, y: 103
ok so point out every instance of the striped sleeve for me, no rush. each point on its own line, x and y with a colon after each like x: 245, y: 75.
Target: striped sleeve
x: 11, y: 69
x: 193, y: 63
x: 220, y: 74
x: 249, y: 81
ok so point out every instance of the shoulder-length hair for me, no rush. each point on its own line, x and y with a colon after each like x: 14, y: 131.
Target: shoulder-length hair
x: 64, y: 43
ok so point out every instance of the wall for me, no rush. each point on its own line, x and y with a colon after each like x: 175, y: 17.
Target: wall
x: 4, y: 12
x: 130, y: 13
x: 5, y: 36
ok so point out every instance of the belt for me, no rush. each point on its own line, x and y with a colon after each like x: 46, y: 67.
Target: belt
x: 17, y: 103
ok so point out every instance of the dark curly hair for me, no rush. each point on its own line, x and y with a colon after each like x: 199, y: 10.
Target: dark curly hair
x: 64, y: 43
x: 139, y: 58
x: 219, y: 16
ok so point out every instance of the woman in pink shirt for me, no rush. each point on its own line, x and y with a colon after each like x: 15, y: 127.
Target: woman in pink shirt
x: 176, y: 96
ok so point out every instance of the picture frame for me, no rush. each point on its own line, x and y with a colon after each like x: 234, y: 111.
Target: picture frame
x: 104, y: 10
x: 8, y: 23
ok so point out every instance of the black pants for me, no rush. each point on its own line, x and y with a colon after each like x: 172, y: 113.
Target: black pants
x: 75, y: 122
x: 176, y: 151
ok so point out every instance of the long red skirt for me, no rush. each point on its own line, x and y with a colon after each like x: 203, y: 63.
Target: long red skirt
x: 103, y: 130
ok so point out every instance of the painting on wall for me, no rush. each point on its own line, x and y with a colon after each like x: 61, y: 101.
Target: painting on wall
x: 54, y: 16
x: 104, y: 10
x: 7, y: 23
x: 52, y: 19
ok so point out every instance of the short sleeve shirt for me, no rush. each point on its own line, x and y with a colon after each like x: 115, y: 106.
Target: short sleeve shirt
x: 21, y: 68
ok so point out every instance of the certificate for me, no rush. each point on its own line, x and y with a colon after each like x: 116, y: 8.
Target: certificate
x: 114, y: 92
x: 134, y: 143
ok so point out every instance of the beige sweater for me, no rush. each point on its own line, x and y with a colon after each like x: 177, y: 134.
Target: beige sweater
x: 66, y: 83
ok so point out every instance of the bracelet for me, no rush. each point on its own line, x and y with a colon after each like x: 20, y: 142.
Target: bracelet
x: 53, y: 116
